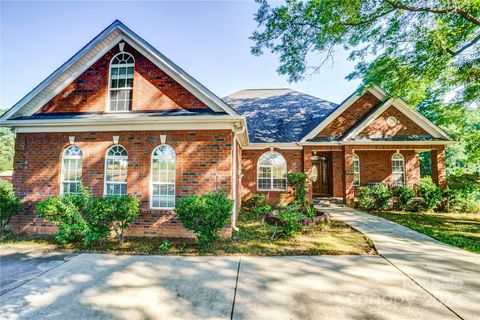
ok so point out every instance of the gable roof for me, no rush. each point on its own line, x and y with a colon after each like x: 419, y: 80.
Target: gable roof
x: 279, y: 115
x: 93, y: 51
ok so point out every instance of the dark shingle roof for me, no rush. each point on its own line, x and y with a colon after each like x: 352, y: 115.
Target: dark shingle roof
x: 279, y: 115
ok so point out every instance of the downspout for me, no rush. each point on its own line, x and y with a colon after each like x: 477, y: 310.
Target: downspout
x: 234, y: 187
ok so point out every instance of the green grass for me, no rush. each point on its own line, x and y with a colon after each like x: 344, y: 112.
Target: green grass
x: 254, y: 238
x: 461, y: 230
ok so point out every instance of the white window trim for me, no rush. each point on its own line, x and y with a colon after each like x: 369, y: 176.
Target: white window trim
x: 174, y: 181
x: 403, y: 168
x: 271, y: 171
x: 105, y: 170
x: 356, y: 158
x: 62, y: 181
x: 107, y: 109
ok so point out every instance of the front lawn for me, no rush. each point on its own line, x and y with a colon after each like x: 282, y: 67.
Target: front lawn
x: 461, y: 230
x: 254, y: 238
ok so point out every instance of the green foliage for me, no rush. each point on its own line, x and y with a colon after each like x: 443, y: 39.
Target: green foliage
x: 87, y: 217
x: 290, y: 217
x: 373, y: 197
x: 310, y: 210
x: 298, y: 182
x: 430, y: 192
x: 463, y: 193
x: 9, y: 206
x: 423, y: 52
x: 62, y: 211
x: 7, y: 144
x: 121, y: 212
x: 255, y: 200
x: 404, y: 196
x: 205, y: 215
x: 165, y: 246
x: 261, y: 210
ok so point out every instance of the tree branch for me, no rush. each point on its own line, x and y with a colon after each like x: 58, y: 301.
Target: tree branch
x: 452, y: 10
x: 369, y: 19
x: 465, y: 47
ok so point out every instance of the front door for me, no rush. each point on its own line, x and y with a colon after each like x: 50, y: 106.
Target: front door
x: 320, y: 176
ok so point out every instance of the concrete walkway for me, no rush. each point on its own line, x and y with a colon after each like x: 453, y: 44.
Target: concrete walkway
x: 449, y: 274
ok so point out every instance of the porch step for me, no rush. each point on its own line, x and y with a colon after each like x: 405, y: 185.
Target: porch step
x: 328, y: 202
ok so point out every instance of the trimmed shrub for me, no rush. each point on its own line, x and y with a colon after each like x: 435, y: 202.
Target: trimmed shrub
x: 9, y: 206
x: 430, y: 192
x: 298, y: 182
x: 365, y: 200
x: 205, y: 215
x: 261, y: 210
x: 373, y: 197
x: 63, y: 212
x: 290, y: 217
x: 404, y: 196
x: 123, y: 211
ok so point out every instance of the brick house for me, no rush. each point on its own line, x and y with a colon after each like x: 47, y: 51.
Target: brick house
x: 121, y: 118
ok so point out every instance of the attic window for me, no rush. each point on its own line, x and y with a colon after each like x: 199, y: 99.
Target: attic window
x: 121, y: 82
x: 392, y: 121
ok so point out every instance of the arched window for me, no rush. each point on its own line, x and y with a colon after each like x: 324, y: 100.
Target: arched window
x: 398, y: 170
x: 356, y: 170
x: 163, y: 177
x: 116, y: 167
x: 71, y: 177
x: 272, y: 172
x: 121, y: 82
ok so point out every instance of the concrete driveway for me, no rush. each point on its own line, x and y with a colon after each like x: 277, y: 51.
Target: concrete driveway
x: 98, y: 286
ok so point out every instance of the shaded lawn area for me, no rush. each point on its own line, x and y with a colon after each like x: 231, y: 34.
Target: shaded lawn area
x: 254, y: 238
x: 461, y: 230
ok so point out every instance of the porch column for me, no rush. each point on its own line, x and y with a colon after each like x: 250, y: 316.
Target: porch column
x: 439, y: 174
x: 348, y: 191
x: 307, y: 168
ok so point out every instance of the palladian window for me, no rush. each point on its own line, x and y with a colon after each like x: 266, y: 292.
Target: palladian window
x: 272, y: 172
x: 116, y: 167
x: 121, y: 82
x: 71, y: 177
x: 398, y: 170
x: 163, y: 177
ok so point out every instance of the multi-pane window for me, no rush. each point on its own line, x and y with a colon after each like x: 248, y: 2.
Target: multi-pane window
x: 398, y: 170
x: 121, y: 82
x: 163, y: 177
x: 356, y: 170
x: 116, y: 167
x: 71, y: 170
x: 272, y: 172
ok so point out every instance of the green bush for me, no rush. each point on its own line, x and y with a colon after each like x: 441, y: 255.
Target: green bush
x: 290, y: 217
x: 373, y: 197
x: 310, y: 210
x: 298, y: 182
x: 261, y: 210
x: 404, y: 196
x: 463, y: 193
x: 382, y: 195
x: 9, y: 206
x: 63, y: 212
x: 365, y: 200
x: 430, y: 192
x: 123, y: 211
x: 205, y: 215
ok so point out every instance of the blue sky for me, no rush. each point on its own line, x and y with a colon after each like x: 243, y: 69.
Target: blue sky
x: 209, y: 40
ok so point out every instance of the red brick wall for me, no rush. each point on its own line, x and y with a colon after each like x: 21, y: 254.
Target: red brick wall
x: 294, y: 160
x: 376, y: 166
x: 348, y: 118
x: 153, y: 89
x: 404, y: 127
x: 203, y: 164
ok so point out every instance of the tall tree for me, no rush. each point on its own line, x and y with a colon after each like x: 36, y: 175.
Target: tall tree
x: 7, y: 142
x: 426, y: 51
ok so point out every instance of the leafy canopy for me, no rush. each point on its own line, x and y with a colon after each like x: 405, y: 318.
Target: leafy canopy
x: 427, y: 52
